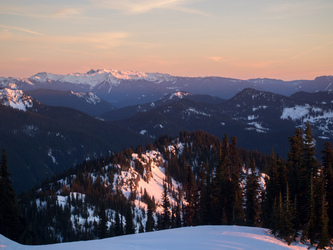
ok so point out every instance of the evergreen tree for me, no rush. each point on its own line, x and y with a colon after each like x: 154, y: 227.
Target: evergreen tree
x: 165, y: 223
x: 310, y: 228
x: 190, y: 197
x: 118, y: 225
x: 252, y: 213
x: 205, y: 196
x: 102, y: 221
x: 294, y: 164
x: 328, y: 174
x: 11, y: 222
x: 273, y: 190
x: 222, y: 203
x: 238, y: 210
x: 308, y: 175
x: 324, y: 236
x: 129, y: 227
x: 237, y: 199
x: 150, y: 223
x: 286, y: 228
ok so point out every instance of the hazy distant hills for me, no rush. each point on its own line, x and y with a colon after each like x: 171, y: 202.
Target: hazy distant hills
x: 125, y: 88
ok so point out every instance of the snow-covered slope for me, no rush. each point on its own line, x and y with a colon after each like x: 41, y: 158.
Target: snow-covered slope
x: 15, y: 99
x: 202, y: 237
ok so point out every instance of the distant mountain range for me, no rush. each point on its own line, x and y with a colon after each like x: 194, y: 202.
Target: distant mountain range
x: 51, y: 122
x: 125, y: 88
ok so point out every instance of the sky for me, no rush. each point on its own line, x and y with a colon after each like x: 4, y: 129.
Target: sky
x: 285, y: 39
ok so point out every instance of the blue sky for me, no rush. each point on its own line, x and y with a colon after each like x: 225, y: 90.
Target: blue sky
x: 240, y: 38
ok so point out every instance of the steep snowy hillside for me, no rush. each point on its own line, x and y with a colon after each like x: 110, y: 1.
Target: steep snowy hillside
x: 201, y: 237
x: 15, y: 99
x: 132, y: 186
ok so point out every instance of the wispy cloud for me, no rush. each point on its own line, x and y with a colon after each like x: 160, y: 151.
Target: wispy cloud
x: 45, y: 12
x: 101, y: 41
x: 298, y: 8
x: 21, y: 29
x: 242, y: 62
x: 106, y: 40
x: 67, y: 12
x: 309, y: 51
x: 138, y: 7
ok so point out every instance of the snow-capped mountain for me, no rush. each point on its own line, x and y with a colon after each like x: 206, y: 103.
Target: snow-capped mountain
x: 124, y: 88
x: 15, y: 99
x: 94, y: 77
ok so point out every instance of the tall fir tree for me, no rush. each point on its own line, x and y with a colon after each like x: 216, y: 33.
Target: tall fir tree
x: 205, y: 196
x: 273, y: 190
x: 10, y: 218
x: 324, y: 238
x: 252, y: 204
x: 286, y: 227
x: 129, y: 227
x: 237, y: 199
x: 294, y: 165
x: 150, y: 223
x: 310, y: 228
x: 165, y: 220
x: 327, y: 164
x: 102, y: 233
x: 222, y: 203
x: 190, y: 197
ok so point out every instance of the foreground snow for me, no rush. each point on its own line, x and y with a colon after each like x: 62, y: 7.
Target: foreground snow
x: 202, y: 237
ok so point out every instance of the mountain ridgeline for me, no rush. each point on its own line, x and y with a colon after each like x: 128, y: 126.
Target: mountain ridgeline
x: 125, y: 88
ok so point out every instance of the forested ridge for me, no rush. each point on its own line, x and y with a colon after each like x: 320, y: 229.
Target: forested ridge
x: 207, y: 182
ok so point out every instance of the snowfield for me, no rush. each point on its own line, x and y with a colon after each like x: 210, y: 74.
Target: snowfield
x: 201, y: 237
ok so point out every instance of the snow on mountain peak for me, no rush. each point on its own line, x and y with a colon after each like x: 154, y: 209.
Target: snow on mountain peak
x: 15, y: 99
x: 133, y: 75
x: 179, y: 94
x: 94, y: 77
x: 45, y: 77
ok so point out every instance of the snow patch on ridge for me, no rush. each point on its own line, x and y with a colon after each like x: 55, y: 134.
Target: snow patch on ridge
x: 89, y: 97
x: 15, y: 99
x: 179, y: 94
